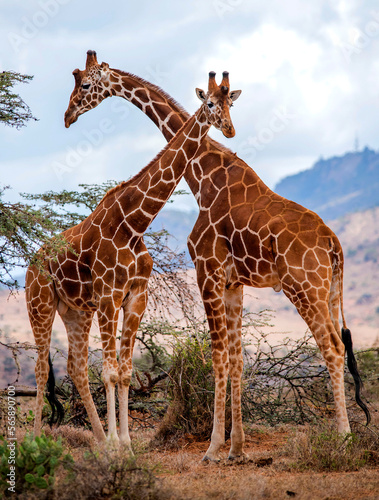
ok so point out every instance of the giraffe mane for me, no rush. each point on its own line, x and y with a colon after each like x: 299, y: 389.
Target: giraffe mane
x: 156, y: 88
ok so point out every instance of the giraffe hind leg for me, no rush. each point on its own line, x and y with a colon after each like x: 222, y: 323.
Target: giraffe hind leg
x: 41, y: 303
x: 333, y: 352
x: 78, y: 324
x: 314, y: 309
x: 334, y: 301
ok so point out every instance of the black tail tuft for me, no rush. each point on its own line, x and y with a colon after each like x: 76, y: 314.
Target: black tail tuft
x: 52, y: 398
x: 353, y: 369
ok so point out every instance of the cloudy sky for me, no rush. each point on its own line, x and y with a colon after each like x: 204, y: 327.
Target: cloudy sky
x: 309, y: 72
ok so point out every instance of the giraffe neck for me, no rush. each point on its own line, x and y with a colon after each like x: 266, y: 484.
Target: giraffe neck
x: 142, y: 197
x: 161, y: 108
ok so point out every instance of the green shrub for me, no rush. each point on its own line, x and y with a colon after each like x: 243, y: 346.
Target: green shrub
x: 30, y: 465
x: 322, y: 448
x: 191, y: 388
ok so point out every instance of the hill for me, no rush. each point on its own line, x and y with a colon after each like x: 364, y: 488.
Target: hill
x: 336, y: 186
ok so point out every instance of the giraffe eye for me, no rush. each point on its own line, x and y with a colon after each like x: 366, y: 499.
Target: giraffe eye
x: 86, y: 86
x: 210, y: 104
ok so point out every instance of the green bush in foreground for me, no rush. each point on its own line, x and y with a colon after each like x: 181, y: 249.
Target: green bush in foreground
x: 30, y: 465
x: 322, y: 448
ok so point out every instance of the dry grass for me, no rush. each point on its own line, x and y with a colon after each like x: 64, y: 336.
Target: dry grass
x: 110, y: 474
x: 174, y: 474
x: 184, y: 473
x: 320, y: 448
x: 304, y: 462
x: 74, y: 437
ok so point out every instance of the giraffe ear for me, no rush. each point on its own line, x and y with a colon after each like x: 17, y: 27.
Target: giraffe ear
x: 234, y: 94
x: 201, y: 94
x: 77, y: 76
x: 103, y: 71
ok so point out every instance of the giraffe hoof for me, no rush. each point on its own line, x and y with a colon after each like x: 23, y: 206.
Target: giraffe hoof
x: 240, y: 458
x: 207, y: 459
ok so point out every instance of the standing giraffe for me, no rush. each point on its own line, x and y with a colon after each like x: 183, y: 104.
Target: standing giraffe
x: 107, y: 267
x: 245, y: 235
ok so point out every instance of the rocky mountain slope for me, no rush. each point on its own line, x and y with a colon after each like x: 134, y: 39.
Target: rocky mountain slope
x: 336, y: 186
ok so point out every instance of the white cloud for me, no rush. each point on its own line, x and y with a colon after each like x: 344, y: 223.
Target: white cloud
x: 280, y: 54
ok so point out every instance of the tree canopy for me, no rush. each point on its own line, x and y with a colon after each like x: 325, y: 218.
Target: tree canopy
x: 14, y: 112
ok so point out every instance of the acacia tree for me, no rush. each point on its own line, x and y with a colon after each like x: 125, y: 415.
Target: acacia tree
x: 23, y: 228
x: 14, y: 112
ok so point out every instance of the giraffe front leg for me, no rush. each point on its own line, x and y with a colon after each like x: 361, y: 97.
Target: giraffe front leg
x: 234, y: 305
x: 108, y: 312
x: 213, y: 298
x: 134, y: 307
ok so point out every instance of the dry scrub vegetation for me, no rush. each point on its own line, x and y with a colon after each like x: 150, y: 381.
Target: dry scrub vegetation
x: 283, y: 461
x: 292, y: 447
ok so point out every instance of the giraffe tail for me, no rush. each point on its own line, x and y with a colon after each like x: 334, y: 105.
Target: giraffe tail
x: 353, y: 368
x: 345, y: 332
x: 56, y: 405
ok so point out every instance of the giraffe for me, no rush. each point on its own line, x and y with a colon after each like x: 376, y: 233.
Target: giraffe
x: 107, y: 267
x: 245, y: 234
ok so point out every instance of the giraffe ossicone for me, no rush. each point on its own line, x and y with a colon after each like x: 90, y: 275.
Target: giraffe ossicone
x: 107, y: 266
x: 245, y: 234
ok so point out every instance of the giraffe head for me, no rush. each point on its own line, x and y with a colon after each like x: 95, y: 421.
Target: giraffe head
x: 217, y: 102
x: 91, y: 87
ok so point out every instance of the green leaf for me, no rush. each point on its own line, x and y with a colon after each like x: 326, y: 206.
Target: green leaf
x: 40, y: 470
x: 29, y: 478
x: 39, y: 459
x: 41, y: 483
x: 33, y: 447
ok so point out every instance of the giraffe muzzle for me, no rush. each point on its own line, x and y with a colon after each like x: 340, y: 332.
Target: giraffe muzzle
x: 69, y: 119
x: 228, y: 130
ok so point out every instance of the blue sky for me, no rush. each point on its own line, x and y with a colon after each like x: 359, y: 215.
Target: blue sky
x: 309, y: 74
